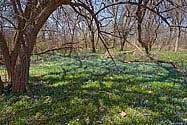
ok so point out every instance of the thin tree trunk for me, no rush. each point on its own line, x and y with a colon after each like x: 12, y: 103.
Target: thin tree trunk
x: 93, y: 41
x: 177, y: 40
x: 85, y: 41
x: 115, y: 14
x: 180, y: 20
x: 123, y: 40
x: 122, y: 43
x: 140, y: 15
x: 140, y: 38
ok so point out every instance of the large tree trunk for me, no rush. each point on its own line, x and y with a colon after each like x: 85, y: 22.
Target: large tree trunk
x: 20, y: 75
x: 18, y: 61
x: 28, y: 22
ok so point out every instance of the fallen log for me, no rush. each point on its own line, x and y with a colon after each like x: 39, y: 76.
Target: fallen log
x: 173, y: 64
x: 129, y: 52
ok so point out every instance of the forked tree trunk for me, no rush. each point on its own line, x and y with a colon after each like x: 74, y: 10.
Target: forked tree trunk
x: 28, y: 22
x: 19, y: 62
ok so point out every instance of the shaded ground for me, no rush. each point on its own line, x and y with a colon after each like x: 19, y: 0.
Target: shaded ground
x: 96, y: 91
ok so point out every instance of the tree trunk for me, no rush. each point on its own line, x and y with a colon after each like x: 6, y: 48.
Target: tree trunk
x: 177, y: 40
x: 122, y: 43
x: 18, y: 61
x: 140, y: 15
x: 28, y: 22
x: 18, y: 71
x: 93, y: 41
x: 20, y: 75
x: 140, y: 38
x: 115, y: 14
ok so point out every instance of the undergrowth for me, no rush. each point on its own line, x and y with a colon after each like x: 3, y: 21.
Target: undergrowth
x: 98, y: 91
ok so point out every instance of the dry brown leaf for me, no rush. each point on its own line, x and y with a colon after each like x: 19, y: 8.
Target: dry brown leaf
x: 123, y: 114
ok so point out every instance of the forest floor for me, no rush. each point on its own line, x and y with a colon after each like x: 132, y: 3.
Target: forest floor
x: 68, y: 90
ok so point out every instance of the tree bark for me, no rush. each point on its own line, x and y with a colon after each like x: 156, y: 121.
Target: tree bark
x: 177, y: 40
x: 93, y: 41
x: 140, y: 16
x: 20, y: 75
x: 18, y: 60
x: 123, y: 41
x: 19, y: 71
x: 122, y: 44
x: 115, y: 14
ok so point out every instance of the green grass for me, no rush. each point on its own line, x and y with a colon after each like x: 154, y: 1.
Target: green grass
x: 96, y: 91
x: 179, y: 57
